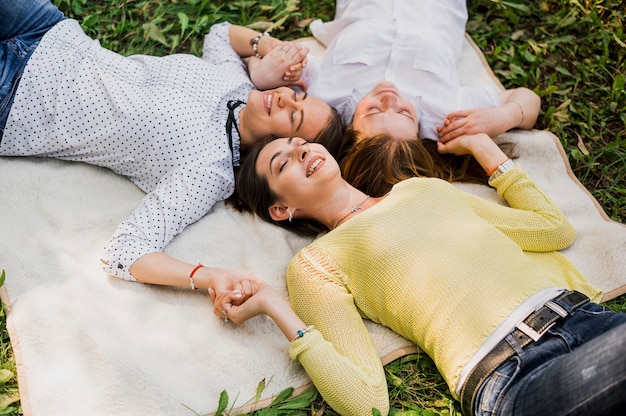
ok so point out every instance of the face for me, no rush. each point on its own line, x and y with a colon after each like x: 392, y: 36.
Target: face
x: 384, y: 111
x: 283, y: 112
x: 297, y: 170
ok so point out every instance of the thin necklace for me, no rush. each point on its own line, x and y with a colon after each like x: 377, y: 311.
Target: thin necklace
x: 352, y: 211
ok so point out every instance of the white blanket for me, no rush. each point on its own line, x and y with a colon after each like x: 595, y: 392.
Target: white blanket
x: 89, y: 344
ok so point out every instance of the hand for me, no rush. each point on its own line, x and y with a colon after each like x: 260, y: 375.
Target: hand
x: 486, y: 152
x: 228, y: 305
x: 282, y: 66
x: 490, y: 121
x: 239, y: 283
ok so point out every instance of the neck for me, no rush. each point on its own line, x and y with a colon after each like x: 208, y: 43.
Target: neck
x: 245, y: 136
x: 346, y: 203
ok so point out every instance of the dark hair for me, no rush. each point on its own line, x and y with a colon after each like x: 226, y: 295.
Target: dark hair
x: 331, y: 136
x: 253, y: 194
x: 375, y: 164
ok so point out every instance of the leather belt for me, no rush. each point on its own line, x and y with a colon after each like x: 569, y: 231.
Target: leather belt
x: 525, y: 333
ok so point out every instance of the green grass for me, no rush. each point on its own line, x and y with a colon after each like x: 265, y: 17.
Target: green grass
x: 571, y: 52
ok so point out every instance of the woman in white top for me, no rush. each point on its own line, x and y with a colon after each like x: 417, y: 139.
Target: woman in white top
x: 391, y: 67
x: 173, y: 125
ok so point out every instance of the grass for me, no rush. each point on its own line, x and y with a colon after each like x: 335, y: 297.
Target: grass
x: 571, y: 52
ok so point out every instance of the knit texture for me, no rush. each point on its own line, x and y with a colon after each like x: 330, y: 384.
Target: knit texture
x: 439, y: 267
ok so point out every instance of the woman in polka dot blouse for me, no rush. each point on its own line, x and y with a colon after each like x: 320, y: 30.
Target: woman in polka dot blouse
x: 163, y: 122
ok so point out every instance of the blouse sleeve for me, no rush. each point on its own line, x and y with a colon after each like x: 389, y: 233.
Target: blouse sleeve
x: 217, y: 47
x: 339, y: 355
x: 532, y: 220
x: 181, y: 197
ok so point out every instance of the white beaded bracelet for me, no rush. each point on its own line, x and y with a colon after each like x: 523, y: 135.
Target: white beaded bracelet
x: 254, y: 42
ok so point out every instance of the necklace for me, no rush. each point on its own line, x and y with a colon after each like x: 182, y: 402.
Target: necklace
x: 352, y: 211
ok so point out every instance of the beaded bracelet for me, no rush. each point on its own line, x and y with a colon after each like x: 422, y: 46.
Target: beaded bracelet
x: 192, y: 284
x: 254, y: 42
x: 301, y: 332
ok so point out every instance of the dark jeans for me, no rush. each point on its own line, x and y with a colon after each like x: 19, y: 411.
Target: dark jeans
x: 577, y: 368
x: 22, y: 25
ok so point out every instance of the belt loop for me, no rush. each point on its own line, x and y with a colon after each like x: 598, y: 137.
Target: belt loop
x: 556, y: 308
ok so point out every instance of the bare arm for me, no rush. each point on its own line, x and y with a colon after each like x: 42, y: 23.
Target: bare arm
x: 161, y: 269
x: 524, y: 106
x: 520, y: 109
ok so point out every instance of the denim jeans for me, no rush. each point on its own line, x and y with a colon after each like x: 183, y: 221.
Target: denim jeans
x: 577, y: 368
x: 22, y: 25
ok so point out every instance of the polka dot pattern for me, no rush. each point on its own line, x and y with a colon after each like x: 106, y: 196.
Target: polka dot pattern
x: 160, y: 121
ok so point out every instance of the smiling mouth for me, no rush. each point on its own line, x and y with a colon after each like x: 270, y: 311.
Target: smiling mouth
x: 268, y: 103
x: 313, y: 166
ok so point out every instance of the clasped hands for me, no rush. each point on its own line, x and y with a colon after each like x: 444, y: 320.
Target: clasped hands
x: 240, y: 297
x: 282, y: 66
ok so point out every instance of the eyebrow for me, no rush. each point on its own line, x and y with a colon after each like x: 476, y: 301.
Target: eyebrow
x: 279, y: 153
x: 302, y: 113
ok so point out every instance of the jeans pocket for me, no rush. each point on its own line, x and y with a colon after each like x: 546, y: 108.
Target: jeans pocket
x: 492, y: 390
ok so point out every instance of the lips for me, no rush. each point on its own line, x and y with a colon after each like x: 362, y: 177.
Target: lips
x: 313, y: 164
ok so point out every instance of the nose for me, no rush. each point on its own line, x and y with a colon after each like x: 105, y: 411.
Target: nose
x: 389, y: 101
x: 285, y: 97
x: 300, y: 151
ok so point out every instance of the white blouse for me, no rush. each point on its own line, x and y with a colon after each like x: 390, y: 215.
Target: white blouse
x: 414, y: 44
x: 160, y: 121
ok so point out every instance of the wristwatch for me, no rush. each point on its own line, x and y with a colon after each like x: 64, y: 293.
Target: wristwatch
x: 505, y: 167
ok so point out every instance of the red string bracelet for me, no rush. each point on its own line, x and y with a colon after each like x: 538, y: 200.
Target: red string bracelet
x: 195, y: 269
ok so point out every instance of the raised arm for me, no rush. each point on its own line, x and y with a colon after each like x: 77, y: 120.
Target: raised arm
x: 271, y: 62
x: 532, y: 220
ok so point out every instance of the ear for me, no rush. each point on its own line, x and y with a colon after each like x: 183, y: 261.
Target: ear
x: 279, y: 212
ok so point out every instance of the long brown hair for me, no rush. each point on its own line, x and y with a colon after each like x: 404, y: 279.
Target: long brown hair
x: 375, y: 164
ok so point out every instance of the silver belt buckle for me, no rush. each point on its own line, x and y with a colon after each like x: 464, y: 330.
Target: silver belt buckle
x: 531, y: 333
x: 534, y: 335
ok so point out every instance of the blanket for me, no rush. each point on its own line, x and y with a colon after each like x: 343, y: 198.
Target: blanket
x: 90, y: 344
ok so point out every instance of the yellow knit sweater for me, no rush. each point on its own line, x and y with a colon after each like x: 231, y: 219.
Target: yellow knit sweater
x: 440, y: 267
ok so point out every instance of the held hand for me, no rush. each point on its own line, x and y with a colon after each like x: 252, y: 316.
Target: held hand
x: 486, y: 152
x: 461, y: 145
x: 472, y: 121
x: 282, y: 66
x: 240, y: 283
x: 228, y: 305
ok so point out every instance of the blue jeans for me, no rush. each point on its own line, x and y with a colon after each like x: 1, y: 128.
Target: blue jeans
x: 577, y: 368
x: 22, y: 25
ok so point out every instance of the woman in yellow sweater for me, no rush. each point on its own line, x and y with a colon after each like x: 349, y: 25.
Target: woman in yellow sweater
x: 477, y: 286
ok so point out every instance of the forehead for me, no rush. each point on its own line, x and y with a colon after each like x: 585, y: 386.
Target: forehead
x: 270, y: 149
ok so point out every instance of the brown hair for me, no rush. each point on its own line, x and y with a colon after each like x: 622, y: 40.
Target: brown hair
x: 253, y: 194
x: 375, y: 164
x: 331, y: 136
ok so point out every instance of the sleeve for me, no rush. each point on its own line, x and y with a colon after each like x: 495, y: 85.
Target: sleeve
x: 181, y: 197
x: 339, y: 355
x: 532, y: 220
x: 217, y: 47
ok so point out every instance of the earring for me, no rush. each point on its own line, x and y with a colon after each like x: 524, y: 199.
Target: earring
x: 290, y: 216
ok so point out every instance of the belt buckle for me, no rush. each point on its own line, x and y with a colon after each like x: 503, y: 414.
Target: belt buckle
x: 531, y: 333
x: 534, y: 335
